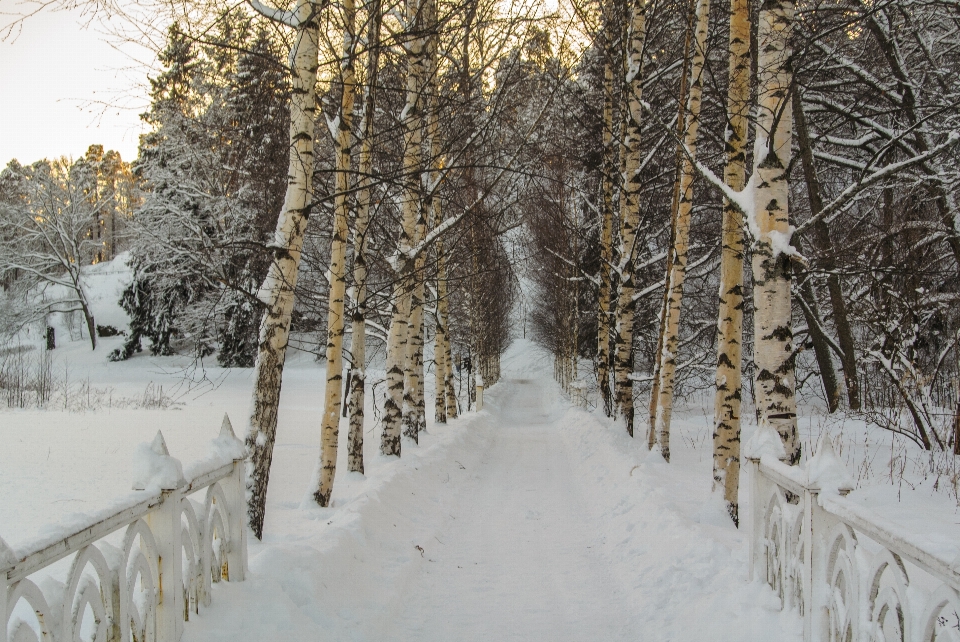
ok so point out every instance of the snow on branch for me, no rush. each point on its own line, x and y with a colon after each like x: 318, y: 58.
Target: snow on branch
x: 277, y: 15
x: 847, y: 196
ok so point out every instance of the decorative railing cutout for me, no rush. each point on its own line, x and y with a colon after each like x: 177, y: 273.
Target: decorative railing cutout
x: 853, y: 576
x: 172, y: 532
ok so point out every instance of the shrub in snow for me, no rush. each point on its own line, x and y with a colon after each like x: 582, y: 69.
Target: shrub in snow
x: 107, y: 331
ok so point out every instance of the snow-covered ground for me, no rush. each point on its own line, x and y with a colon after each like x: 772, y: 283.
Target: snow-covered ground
x: 529, y: 521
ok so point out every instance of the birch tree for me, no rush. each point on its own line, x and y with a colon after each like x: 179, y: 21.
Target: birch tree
x: 609, y: 40
x: 773, y: 334
x: 414, y: 411
x: 412, y: 123
x: 674, y: 211
x: 629, y: 211
x: 277, y: 291
x: 330, y: 427
x: 358, y: 347
x: 681, y: 234
x: 443, y: 375
x: 726, y: 413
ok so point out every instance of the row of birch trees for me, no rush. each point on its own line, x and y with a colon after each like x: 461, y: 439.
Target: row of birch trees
x: 393, y: 138
x: 420, y: 178
x: 797, y: 157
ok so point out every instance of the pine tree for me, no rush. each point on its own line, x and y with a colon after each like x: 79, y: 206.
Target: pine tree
x: 213, y: 167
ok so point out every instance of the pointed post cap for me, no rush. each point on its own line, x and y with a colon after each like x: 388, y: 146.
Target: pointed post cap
x: 226, y: 444
x: 226, y: 428
x: 154, y: 469
x: 826, y: 471
x: 159, y: 445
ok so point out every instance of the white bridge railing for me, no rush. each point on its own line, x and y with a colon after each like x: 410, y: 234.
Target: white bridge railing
x: 852, y: 576
x: 138, y: 573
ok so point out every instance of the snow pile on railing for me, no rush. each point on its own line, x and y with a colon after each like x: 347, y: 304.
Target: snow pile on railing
x: 851, y: 574
x: 139, y: 569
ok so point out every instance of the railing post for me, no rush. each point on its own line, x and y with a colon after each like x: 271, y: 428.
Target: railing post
x: 809, y: 576
x: 7, y: 561
x: 234, y: 489
x: 165, y: 524
x: 816, y: 623
x: 826, y: 474
x: 764, y: 441
x: 756, y: 515
x: 479, y: 381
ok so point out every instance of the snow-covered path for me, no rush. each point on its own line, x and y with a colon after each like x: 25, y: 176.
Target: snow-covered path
x: 517, y: 562
x: 530, y: 521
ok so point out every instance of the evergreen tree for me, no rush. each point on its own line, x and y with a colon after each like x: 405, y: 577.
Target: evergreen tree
x: 213, y: 167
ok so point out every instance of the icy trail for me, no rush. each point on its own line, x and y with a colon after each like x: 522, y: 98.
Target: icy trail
x: 517, y: 562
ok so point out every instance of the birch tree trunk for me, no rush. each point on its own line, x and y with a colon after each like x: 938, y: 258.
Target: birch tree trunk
x: 604, y: 317
x: 364, y: 196
x: 443, y: 307
x: 330, y: 426
x: 630, y: 212
x: 278, y: 286
x: 414, y: 418
x: 397, y: 341
x: 671, y: 338
x: 674, y: 208
x: 432, y: 206
x: 773, y: 333
x: 726, y: 406
x: 441, y: 355
x: 413, y: 398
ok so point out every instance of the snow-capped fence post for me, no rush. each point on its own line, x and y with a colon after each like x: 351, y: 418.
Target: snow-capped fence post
x: 160, y: 469
x: 479, y: 381
x: 853, y: 574
x: 234, y: 489
x: 755, y: 517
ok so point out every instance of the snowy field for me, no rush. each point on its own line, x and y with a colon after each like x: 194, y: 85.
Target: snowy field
x: 529, y: 521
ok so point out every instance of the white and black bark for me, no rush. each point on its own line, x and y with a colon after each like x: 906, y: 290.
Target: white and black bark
x: 681, y: 232
x: 360, y: 242
x: 629, y: 212
x: 775, y: 382
x: 404, y: 262
x: 727, y: 401
x: 330, y: 422
x: 277, y: 291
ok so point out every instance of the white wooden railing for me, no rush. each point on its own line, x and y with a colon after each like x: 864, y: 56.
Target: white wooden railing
x: 853, y: 576
x: 138, y: 573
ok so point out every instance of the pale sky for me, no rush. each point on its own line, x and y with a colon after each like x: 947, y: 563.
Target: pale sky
x: 64, y: 88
